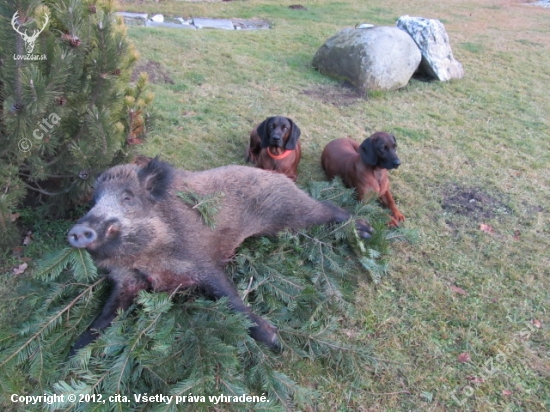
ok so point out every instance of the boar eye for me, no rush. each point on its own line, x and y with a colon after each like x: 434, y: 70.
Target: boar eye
x: 128, y: 198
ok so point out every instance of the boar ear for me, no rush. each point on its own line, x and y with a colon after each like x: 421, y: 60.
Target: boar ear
x: 294, y: 135
x: 155, y: 178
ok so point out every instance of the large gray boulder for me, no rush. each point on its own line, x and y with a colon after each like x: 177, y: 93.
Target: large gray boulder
x: 437, y: 57
x: 376, y: 58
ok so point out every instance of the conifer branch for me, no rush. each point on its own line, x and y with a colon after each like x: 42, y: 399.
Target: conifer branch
x: 52, y: 320
x: 138, y: 338
x: 45, y: 192
x: 39, y: 190
x: 208, y: 205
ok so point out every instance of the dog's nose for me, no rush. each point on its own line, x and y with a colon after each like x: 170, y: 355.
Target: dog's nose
x: 396, y: 162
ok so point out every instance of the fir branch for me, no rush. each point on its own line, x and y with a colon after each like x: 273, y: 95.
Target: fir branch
x: 51, y: 266
x: 83, y: 265
x: 142, y: 332
x: 208, y: 205
x: 50, y: 322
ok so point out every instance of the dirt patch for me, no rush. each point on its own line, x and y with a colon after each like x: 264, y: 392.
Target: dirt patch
x: 473, y: 202
x: 341, y: 96
x: 157, y: 74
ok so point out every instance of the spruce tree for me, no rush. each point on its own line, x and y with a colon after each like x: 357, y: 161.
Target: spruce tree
x: 67, y: 111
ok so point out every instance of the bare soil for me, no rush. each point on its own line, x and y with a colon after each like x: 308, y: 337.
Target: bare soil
x: 157, y: 74
x: 342, y: 95
x: 473, y: 202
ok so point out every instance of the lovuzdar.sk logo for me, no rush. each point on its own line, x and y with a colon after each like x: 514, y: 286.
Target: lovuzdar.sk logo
x: 29, y: 40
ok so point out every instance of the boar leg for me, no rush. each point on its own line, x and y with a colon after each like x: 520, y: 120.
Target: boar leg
x: 339, y: 215
x: 218, y: 285
x: 124, y: 290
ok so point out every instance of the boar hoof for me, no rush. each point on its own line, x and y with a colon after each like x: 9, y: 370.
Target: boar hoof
x: 266, y: 333
x: 364, y: 230
x: 83, y: 340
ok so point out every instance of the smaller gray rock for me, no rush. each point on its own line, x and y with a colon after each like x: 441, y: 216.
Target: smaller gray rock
x: 437, y: 57
x: 158, y: 18
x: 202, y: 23
x: 187, y: 22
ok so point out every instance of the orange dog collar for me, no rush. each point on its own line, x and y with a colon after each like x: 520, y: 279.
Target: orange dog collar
x: 281, y: 156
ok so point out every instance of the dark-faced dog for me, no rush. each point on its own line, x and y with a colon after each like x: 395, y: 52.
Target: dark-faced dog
x: 365, y: 167
x: 274, y: 146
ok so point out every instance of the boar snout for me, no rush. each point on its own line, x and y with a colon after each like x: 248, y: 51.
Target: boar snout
x: 81, y: 236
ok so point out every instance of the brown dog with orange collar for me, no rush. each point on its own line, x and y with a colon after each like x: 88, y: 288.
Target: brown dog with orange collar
x: 274, y: 146
x: 365, y: 167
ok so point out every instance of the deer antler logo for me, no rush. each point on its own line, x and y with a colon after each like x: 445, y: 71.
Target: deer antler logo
x: 29, y: 40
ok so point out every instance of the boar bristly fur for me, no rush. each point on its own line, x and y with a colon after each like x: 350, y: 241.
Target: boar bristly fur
x: 148, y: 238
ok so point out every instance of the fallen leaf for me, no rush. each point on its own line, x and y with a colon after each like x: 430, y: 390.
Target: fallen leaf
x: 464, y: 357
x: 350, y: 333
x: 19, y: 270
x: 517, y: 234
x: 458, y: 290
x: 28, y: 239
x: 537, y: 323
x: 486, y: 228
x: 475, y: 379
x: 506, y: 392
x: 17, y: 251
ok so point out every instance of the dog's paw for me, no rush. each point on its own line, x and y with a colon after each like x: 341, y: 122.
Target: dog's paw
x: 396, y: 218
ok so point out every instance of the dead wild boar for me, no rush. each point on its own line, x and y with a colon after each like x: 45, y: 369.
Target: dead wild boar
x: 147, y: 237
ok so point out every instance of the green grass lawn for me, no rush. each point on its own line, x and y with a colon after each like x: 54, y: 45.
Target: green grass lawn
x: 474, y: 151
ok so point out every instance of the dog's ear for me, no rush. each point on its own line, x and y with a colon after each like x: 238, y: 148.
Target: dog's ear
x: 394, y: 139
x: 367, y: 151
x: 294, y: 135
x: 263, y: 132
